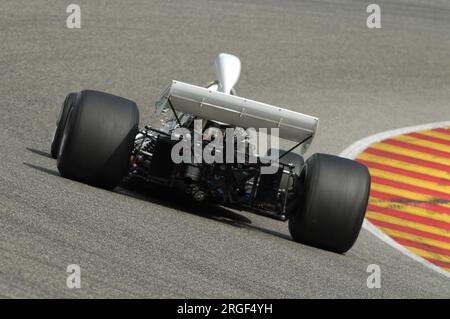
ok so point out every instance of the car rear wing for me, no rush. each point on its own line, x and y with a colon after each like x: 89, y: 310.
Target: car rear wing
x: 238, y: 111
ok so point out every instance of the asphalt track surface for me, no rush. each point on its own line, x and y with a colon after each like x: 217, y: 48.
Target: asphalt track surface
x: 316, y: 57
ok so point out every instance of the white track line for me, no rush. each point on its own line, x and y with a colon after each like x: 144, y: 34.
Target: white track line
x: 359, y: 146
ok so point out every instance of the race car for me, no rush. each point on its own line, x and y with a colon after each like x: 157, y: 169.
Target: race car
x: 205, y: 147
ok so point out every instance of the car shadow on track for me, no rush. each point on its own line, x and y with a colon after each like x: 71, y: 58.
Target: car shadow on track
x: 42, y: 169
x: 38, y: 152
x: 165, y: 197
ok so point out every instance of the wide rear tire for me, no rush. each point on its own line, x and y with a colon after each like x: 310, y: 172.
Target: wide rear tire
x: 61, y: 123
x: 333, y: 194
x: 98, y: 139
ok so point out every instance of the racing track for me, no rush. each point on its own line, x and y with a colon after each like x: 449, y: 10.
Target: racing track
x: 313, y: 56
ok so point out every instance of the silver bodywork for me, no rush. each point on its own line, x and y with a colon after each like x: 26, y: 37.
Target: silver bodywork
x: 218, y: 102
x: 238, y: 111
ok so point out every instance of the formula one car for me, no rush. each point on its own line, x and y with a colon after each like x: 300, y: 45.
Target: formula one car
x: 97, y: 141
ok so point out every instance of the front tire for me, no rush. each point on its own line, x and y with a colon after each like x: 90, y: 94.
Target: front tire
x: 98, y: 139
x: 333, y: 194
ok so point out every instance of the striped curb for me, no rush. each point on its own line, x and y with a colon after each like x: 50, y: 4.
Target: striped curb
x: 409, y: 205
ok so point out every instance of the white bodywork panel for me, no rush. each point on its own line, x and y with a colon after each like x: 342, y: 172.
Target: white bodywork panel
x: 238, y: 111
